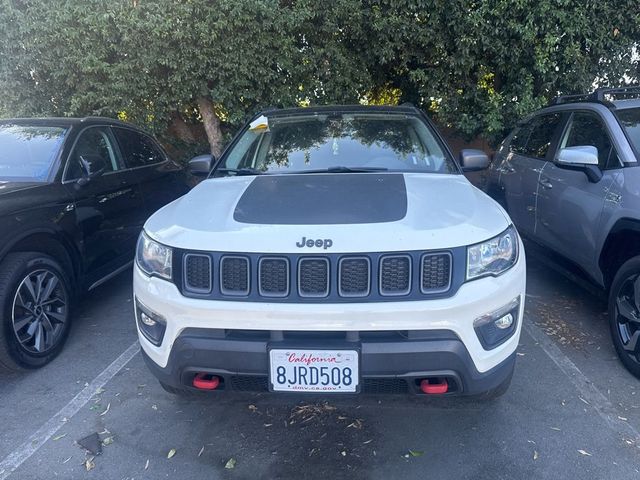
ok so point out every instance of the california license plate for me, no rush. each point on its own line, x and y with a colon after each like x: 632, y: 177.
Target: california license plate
x: 303, y: 370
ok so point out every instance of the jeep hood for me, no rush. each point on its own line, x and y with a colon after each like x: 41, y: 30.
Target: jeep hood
x: 358, y: 212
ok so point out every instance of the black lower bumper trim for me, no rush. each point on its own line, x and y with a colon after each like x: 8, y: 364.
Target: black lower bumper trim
x: 387, y: 365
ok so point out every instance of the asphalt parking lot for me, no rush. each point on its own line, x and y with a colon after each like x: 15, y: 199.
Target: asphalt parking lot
x: 572, y: 411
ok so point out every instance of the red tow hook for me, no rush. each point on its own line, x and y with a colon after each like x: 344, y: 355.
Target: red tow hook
x: 206, y: 381
x: 434, y: 385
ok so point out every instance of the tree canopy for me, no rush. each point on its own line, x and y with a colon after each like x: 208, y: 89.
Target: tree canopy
x: 475, y: 65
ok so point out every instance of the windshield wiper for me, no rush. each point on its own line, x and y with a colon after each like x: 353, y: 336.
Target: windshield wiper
x: 239, y: 171
x: 341, y: 169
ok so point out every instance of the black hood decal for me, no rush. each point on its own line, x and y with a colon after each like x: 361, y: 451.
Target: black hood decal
x: 323, y: 199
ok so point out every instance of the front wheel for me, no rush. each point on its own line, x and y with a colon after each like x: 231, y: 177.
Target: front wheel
x: 35, y: 299
x: 624, y: 314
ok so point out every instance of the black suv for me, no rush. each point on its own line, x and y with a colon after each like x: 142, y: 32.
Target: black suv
x: 74, y: 194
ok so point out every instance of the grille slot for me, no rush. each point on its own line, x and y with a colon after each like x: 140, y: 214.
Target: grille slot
x: 274, y: 277
x: 197, y: 269
x: 354, y: 277
x: 385, y: 385
x: 395, y: 275
x: 234, y: 275
x: 313, y: 277
x: 436, y: 272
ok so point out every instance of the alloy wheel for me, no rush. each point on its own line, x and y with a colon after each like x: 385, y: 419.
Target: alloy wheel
x: 40, y: 311
x: 628, y: 316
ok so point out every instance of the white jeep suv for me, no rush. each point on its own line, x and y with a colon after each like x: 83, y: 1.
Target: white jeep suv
x: 332, y: 250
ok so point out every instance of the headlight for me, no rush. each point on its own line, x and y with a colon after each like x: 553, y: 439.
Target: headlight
x: 494, y: 256
x: 153, y: 258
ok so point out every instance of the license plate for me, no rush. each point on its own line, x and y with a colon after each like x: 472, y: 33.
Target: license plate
x: 303, y: 370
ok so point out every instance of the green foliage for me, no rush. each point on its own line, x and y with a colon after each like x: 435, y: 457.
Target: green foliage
x: 476, y: 65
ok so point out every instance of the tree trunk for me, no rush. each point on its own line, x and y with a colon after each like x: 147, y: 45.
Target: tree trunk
x: 180, y: 129
x: 211, y: 125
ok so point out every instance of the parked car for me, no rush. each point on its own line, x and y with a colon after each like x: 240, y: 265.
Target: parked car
x: 568, y: 176
x: 333, y: 250
x: 74, y: 194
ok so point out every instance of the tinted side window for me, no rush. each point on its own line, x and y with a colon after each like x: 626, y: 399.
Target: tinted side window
x: 544, y: 127
x: 94, y: 141
x: 138, y: 149
x: 520, y: 137
x: 586, y: 128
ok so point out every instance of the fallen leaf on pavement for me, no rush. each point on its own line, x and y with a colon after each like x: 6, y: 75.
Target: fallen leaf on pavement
x: 535, y: 455
x: 582, y: 452
x: 59, y: 437
x: 416, y: 453
x: 171, y: 453
x: 231, y: 463
x: 106, y: 410
x: 107, y: 441
x: 146, y: 465
x: 89, y: 464
x: 201, y: 451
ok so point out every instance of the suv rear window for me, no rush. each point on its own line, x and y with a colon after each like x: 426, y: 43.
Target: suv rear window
x: 138, y: 149
x: 630, y: 121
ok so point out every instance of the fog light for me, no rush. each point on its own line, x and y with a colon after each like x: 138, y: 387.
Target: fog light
x: 497, y: 327
x: 151, y: 325
x: 147, y: 320
x: 504, y: 322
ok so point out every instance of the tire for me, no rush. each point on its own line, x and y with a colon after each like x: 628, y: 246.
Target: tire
x: 624, y: 314
x: 33, y: 330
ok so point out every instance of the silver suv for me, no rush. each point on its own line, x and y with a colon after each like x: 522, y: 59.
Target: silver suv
x: 570, y: 179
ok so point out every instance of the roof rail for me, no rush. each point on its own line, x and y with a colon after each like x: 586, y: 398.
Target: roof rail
x: 624, y: 92
x: 600, y: 95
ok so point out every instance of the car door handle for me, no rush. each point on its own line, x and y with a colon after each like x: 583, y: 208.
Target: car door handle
x: 545, y: 183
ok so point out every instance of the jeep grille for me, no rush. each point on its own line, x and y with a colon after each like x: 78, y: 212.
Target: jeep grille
x: 234, y: 275
x: 274, y: 277
x: 331, y: 277
x: 435, y: 272
x: 198, y: 273
x: 313, y: 277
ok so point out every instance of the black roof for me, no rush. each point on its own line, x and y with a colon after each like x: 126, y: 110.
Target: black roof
x: 66, y: 121
x: 320, y: 109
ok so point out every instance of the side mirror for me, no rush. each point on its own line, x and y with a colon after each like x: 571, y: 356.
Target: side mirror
x: 575, y: 156
x: 472, y: 160
x: 581, y: 158
x: 201, y: 165
x: 92, y: 166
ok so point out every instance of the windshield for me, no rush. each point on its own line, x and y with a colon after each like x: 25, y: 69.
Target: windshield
x: 343, y: 142
x: 27, y: 152
x: 630, y: 120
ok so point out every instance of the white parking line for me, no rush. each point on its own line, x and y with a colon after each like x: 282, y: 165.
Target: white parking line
x: 16, y: 458
x: 588, y: 391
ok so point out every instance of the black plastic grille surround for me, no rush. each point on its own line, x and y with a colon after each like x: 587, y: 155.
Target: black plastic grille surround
x: 313, y: 277
x: 274, y: 277
x: 326, y: 277
x: 435, y: 271
x: 198, y: 272
x: 355, y: 277
x: 234, y: 275
x: 395, y: 275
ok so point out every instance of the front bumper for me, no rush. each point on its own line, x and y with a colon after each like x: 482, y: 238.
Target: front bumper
x: 390, y: 362
x: 215, y: 336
